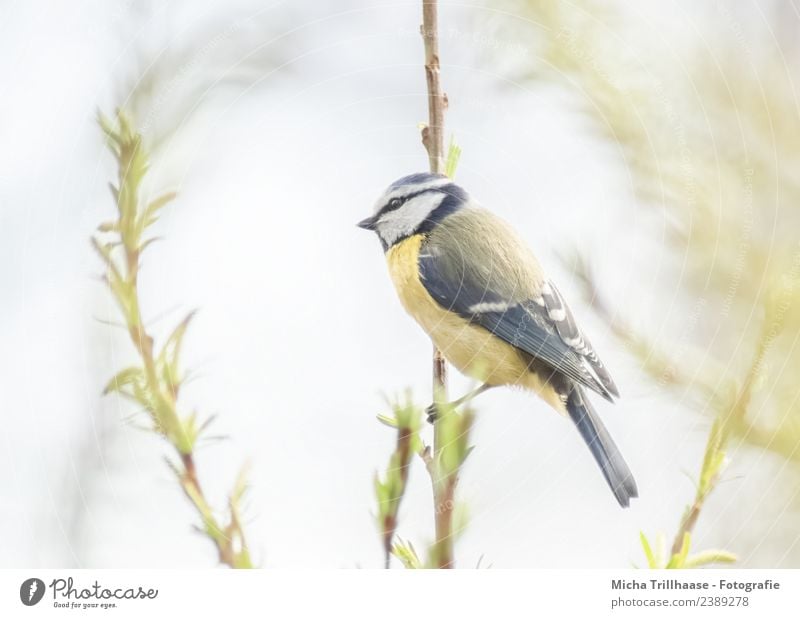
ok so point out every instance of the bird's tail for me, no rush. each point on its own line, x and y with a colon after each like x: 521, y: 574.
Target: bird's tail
x: 605, y: 452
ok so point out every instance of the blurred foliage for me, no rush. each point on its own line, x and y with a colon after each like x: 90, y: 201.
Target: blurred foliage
x: 657, y: 558
x: 406, y: 553
x: 453, y: 157
x: 389, y: 490
x: 177, y: 70
x: 714, y: 461
x: 715, y: 149
x: 443, y: 465
x: 155, y: 384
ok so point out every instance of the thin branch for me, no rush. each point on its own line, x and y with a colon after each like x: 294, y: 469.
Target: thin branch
x: 718, y: 439
x: 433, y: 140
x: 403, y: 451
x: 156, y: 383
x: 391, y: 489
x: 433, y: 133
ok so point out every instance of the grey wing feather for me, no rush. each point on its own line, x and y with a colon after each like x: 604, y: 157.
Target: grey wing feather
x: 568, y: 330
x: 487, y: 288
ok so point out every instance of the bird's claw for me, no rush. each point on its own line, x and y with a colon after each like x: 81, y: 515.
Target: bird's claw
x: 432, y: 412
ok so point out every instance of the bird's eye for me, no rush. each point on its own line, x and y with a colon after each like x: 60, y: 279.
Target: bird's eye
x: 395, y: 202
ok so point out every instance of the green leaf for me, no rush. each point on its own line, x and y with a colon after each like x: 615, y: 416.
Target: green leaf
x: 387, y: 420
x: 124, y: 125
x: 405, y: 552
x: 150, y: 214
x: 408, y: 416
x: 453, y: 156
x: 648, y: 552
x: 127, y: 376
x: 190, y: 430
x: 110, y: 133
x: 710, y: 556
x: 169, y: 356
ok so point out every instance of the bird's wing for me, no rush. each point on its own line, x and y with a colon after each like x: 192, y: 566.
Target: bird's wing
x: 568, y: 331
x: 508, y: 296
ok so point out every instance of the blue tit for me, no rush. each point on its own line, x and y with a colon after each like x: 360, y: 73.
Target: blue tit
x: 477, y: 290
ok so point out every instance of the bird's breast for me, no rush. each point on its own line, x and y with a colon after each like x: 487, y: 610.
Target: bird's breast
x: 470, y: 348
x: 446, y: 328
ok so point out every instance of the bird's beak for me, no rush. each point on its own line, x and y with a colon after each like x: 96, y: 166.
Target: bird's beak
x: 368, y: 223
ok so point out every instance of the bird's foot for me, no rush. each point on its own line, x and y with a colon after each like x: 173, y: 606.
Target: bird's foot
x: 432, y: 413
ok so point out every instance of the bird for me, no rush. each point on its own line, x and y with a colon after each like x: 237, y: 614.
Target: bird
x: 475, y: 287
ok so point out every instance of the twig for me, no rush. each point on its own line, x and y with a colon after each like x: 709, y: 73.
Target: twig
x: 713, y: 463
x: 433, y: 140
x: 433, y: 133
x: 391, y: 489
x: 155, y: 385
x: 390, y: 519
x: 721, y: 431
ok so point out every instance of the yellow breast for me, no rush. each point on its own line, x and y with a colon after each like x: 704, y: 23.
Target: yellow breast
x: 471, y: 349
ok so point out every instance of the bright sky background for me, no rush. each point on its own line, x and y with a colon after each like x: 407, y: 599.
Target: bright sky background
x: 314, y: 111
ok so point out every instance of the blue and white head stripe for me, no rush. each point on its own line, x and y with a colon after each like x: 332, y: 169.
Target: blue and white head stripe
x: 415, y: 204
x: 408, y: 186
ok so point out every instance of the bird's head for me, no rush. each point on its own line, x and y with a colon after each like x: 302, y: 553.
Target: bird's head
x: 414, y: 204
